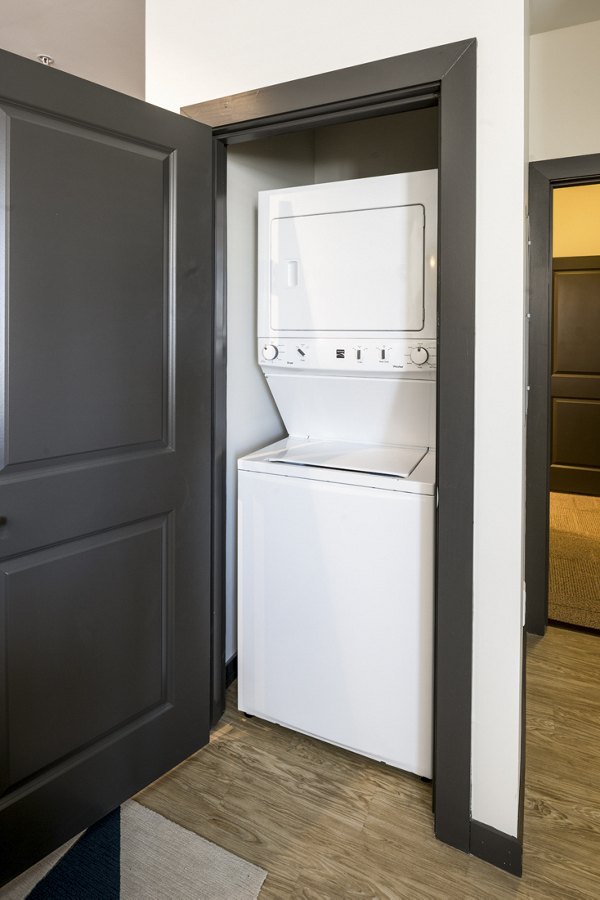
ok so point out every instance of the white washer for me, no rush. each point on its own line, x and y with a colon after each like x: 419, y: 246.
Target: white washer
x: 335, y: 578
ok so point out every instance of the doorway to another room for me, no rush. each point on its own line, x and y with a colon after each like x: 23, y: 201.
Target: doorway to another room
x: 563, y: 516
x: 574, y: 519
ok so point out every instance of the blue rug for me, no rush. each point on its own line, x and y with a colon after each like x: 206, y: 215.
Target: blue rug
x: 91, y: 869
x: 136, y: 854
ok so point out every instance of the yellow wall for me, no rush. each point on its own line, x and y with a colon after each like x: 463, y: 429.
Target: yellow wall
x: 576, y: 223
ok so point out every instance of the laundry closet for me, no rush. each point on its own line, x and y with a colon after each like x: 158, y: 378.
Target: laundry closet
x: 372, y: 648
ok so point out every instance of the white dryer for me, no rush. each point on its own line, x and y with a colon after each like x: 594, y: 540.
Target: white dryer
x: 336, y: 523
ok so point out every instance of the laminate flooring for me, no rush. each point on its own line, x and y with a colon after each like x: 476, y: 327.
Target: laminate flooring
x: 326, y: 823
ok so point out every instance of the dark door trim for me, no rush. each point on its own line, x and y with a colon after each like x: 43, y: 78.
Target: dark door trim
x: 447, y: 76
x: 219, y: 436
x: 544, y: 176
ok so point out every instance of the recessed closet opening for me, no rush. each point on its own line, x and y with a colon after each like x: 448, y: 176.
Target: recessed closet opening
x: 401, y: 123
x: 386, y: 145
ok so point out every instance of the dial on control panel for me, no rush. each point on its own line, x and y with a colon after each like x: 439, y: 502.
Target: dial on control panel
x: 419, y: 355
x: 269, y: 352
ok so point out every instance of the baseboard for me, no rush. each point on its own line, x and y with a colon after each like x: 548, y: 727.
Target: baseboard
x: 569, y: 626
x: 231, y: 671
x: 496, y: 847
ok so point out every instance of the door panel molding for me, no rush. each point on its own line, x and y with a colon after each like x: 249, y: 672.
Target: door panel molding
x: 109, y: 389
x: 575, y: 376
x: 39, y: 663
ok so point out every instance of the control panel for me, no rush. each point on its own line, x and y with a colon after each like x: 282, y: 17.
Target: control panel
x: 393, y: 356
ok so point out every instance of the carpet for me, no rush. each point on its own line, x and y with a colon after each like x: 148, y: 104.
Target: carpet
x: 136, y: 854
x: 574, y: 571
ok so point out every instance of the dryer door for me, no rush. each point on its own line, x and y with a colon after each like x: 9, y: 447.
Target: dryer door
x: 359, y: 270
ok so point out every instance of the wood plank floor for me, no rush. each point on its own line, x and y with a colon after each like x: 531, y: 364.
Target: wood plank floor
x: 325, y: 823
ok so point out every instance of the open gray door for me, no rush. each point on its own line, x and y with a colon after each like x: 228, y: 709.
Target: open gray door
x: 105, y: 455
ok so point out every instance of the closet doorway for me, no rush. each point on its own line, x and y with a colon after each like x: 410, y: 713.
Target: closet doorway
x: 444, y: 77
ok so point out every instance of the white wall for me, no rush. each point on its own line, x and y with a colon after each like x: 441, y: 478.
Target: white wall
x: 564, y: 92
x: 196, y: 52
x: 99, y: 41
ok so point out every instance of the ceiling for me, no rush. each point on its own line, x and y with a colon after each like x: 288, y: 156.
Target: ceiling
x: 547, y: 15
x: 100, y: 40
x: 103, y: 40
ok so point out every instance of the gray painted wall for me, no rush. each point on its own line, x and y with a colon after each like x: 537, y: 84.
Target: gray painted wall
x: 252, y: 417
x: 403, y: 143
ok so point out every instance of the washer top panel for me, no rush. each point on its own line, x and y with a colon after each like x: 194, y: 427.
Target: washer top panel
x: 369, y: 458
x: 420, y: 481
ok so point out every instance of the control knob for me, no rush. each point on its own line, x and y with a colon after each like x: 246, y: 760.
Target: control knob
x: 419, y: 355
x: 269, y: 352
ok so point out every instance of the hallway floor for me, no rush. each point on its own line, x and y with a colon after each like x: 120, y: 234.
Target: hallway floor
x: 574, y: 561
x: 326, y: 823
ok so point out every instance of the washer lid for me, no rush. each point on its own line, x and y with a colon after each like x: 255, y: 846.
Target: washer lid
x: 370, y: 458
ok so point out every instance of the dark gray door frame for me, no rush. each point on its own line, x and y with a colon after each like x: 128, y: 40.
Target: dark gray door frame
x: 544, y: 176
x: 445, y: 76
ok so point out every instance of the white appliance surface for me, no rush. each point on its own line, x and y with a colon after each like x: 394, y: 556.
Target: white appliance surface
x: 412, y: 357
x: 349, y: 258
x: 335, y: 585
x: 358, y: 409
x: 373, y: 459
x: 421, y: 480
x: 359, y: 270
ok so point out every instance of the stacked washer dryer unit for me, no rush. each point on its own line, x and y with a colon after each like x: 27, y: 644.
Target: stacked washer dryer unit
x: 336, y: 522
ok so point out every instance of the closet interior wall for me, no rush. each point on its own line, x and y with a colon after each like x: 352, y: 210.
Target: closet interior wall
x: 403, y: 142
